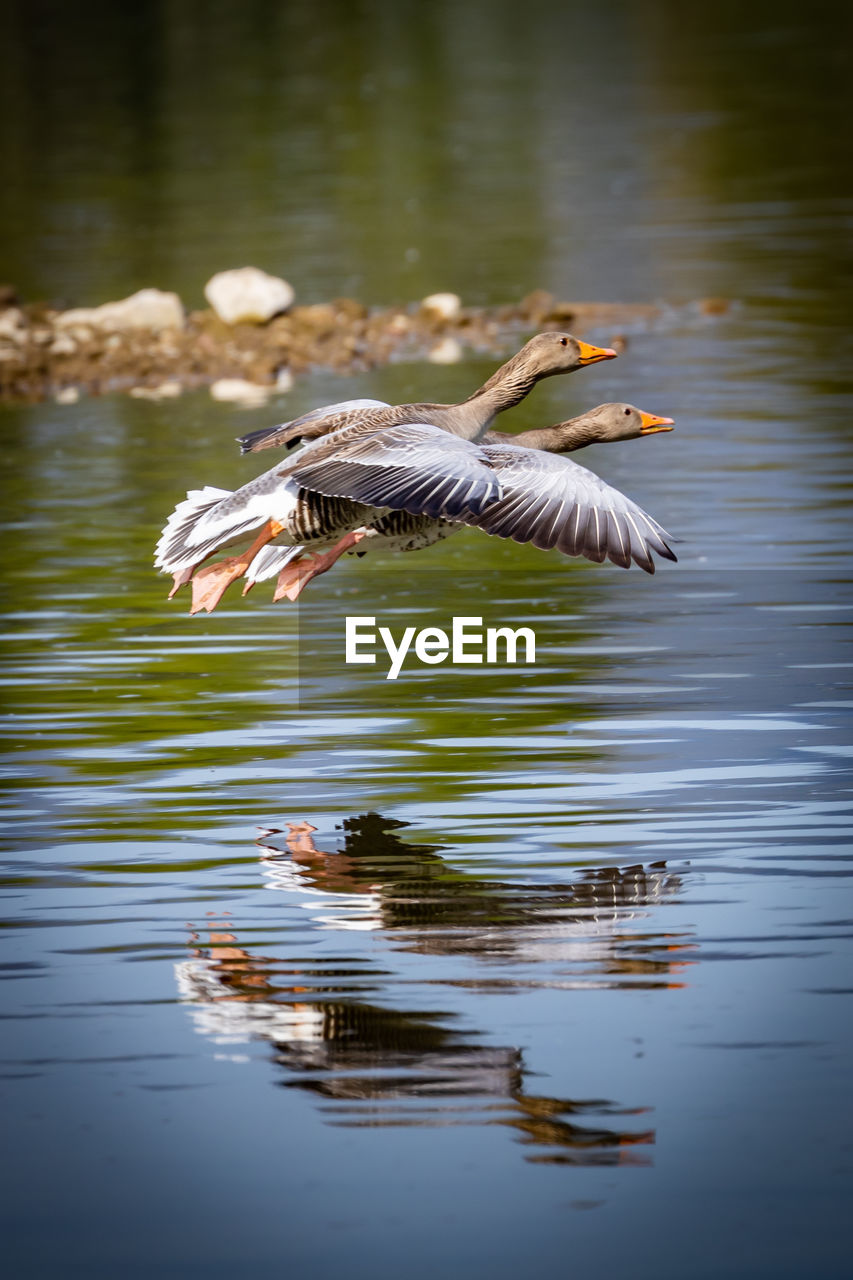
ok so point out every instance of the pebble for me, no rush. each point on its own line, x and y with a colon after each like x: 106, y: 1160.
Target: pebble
x: 12, y: 325
x: 238, y: 391
x: 247, y: 295
x: 442, y: 306
x: 67, y: 395
x: 62, y: 345
x: 714, y: 306
x: 448, y: 351
x: 165, y: 391
x: 147, y: 309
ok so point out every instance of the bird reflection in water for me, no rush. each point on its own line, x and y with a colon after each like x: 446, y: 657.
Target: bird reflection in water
x: 377, y: 881
x: 381, y: 1066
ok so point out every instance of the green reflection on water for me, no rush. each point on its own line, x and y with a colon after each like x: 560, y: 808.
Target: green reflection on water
x: 389, y: 149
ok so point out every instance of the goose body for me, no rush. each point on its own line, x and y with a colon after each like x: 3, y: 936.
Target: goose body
x: 334, y: 487
x: 537, y: 493
x: 397, y: 457
x: 406, y: 487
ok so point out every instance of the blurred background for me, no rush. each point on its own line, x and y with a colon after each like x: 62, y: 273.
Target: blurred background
x: 614, y: 151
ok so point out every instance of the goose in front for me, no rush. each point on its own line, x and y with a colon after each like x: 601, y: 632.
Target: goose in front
x: 354, y: 484
x: 548, y: 480
x: 543, y: 356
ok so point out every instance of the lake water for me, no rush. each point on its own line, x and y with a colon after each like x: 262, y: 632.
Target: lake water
x: 485, y: 969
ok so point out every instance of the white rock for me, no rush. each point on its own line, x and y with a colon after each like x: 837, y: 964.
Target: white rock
x: 165, y: 391
x: 68, y: 395
x: 239, y: 391
x: 247, y: 295
x: 63, y: 345
x: 283, y: 381
x: 80, y: 316
x: 12, y: 325
x: 147, y: 309
x: 170, y: 389
x: 75, y: 315
x: 448, y: 351
x: 442, y: 306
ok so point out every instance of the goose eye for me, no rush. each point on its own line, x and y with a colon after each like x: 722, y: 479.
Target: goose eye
x: 564, y: 342
x: 627, y: 413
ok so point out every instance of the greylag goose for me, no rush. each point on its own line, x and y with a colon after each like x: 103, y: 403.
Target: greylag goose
x: 399, y: 531
x: 337, y: 490
x: 334, y: 487
x: 372, y: 455
x: 542, y: 357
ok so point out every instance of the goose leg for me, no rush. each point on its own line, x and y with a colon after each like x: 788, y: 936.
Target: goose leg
x: 179, y: 579
x: 210, y: 584
x: 294, y: 577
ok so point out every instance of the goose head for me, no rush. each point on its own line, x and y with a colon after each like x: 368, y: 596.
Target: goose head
x: 620, y: 421
x: 616, y: 421
x: 550, y: 353
x: 597, y: 426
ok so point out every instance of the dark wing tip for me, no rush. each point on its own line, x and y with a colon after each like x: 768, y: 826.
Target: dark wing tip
x: 247, y: 442
x: 265, y: 438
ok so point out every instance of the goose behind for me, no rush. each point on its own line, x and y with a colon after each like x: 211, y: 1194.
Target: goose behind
x: 544, y: 356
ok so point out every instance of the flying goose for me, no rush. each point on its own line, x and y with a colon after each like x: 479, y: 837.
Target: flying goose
x: 542, y: 357
x: 399, y: 531
x: 365, y: 449
x: 351, y: 486
x: 549, y: 482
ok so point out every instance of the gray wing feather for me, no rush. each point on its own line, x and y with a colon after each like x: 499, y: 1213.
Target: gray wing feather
x: 346, y: 413
x: 552, y: 502
x: 416, y: 468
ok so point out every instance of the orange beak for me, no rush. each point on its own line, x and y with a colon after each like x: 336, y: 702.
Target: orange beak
x: 591, y: 355
x: 652, y: 424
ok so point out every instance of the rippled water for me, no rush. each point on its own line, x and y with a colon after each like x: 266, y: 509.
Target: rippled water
x: 485, y: 969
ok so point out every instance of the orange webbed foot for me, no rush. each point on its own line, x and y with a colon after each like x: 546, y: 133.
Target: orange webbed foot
x: 294, y: 578
x: 210, y: 585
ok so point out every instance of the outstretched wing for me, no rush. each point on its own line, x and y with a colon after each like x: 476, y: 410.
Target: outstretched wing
x: 552, y: 502
x: 319, y: 422
x: 417, y: 468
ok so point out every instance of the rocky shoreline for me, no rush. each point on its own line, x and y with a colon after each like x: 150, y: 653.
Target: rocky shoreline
x: 150, y: 347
